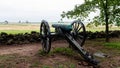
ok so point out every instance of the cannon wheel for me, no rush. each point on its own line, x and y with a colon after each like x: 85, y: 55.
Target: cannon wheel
x: 45, y: 36
x: 79, y: 32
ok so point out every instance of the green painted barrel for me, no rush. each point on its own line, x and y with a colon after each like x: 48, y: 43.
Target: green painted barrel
x: 63, y: 27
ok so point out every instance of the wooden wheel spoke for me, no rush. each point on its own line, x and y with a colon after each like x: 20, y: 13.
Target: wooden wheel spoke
x: 75, y: 26
x: 78, y: 27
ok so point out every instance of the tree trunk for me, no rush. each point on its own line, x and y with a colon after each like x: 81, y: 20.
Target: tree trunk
x: 107, y: 24
x: 107, y: 29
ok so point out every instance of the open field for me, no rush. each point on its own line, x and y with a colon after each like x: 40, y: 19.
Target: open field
x: 102, y: 28
x: 19, y: 28
x: 22, y: 28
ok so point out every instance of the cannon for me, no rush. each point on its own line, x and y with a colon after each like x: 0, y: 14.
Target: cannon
x: 74, y: 33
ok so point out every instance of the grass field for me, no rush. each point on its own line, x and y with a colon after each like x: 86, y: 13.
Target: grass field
x: 113, y: 45
x: 23, y: 28
x: 102, y: 28
x: 19, y: 28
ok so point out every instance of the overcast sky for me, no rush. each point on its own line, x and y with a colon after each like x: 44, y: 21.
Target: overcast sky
x: 35, y: 10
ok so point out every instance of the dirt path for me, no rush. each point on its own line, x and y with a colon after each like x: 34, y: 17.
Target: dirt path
x: 113, y: 61
x: 26, y: 49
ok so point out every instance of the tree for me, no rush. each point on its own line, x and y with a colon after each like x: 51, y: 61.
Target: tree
x: 6, y: 22
x: 118, y: 24
x: 109, y: 12
x: 27, y: 22
x: 19, y: 21
x: 93, y: 24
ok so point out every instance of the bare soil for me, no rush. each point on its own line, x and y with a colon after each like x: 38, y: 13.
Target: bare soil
x: 25, y: 50
x: 26, y: 56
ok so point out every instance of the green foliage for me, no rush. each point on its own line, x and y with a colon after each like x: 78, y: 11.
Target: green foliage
x: 118, y: 24
x: 115, y: 45
x: 93, y: 24
x: 111, y: 8
x: 109, y: 12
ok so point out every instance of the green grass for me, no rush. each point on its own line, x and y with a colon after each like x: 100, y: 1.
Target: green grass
x: 17, y: 31
x: 65, y: 51
x: 94, y: 29
x: 18, y: 28
x: 113, y: 45
x: 11, y: 60
x: 35, y: 64
x: 23, y: 28
x: 45, y: 66
x: 68, y: 65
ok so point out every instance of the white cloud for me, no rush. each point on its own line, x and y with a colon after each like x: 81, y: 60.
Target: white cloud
x: 35, y: 10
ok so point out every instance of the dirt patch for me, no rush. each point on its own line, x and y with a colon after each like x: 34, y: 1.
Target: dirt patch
x: 25, y: 50
x: 27, y: 56
x: 28, y: 49
x: 66, y: 62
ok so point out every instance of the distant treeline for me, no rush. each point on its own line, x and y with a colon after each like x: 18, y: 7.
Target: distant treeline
x: 24, y: 22
x: 19, y: 22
